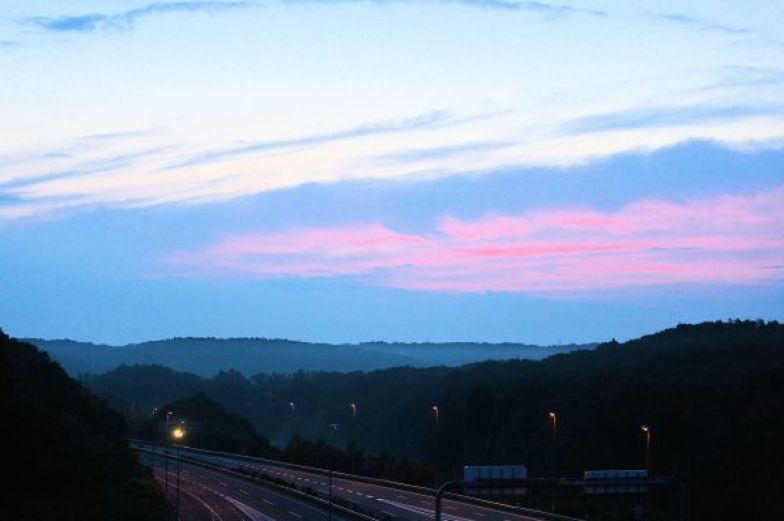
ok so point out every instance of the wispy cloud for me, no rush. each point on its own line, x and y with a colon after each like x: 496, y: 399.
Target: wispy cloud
x: 104, y: 165
x: 435, y: 153
x: 544, y: 8
x: 428, y: 120
x: 91, y: 22
x: 124, y: 20
x: 703, y: 25
x: 736, y: 76
x: 668, y: 116
x: 648, y: 242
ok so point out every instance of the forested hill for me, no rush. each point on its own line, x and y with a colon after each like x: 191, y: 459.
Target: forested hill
x: 207, y: 356
x: 712, y: 394
x: 64, y: 452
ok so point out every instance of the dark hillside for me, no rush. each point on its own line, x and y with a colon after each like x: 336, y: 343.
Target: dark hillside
x: 207, y: 356
x: 712, y: 393
x: 65, y: 455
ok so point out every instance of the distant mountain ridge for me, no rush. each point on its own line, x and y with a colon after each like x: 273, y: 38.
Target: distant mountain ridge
x: 206, y: 356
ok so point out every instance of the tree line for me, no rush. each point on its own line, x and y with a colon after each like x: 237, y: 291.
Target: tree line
x: 711, y: 394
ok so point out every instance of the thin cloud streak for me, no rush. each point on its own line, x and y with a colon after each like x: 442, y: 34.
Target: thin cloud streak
x: 703, y: 25
x: 729, y: 239
x: 429, y: 120
x: 92, y: 22
x: 99, y: 21
x: 549, y: 9
x: 668, y: 116
x: 425, y: 146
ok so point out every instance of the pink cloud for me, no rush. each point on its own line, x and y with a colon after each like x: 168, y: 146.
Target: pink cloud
x: 728, y: 239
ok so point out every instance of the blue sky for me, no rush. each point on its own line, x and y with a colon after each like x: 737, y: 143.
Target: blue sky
x: 400, y: 170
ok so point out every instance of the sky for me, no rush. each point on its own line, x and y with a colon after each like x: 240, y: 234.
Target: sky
x: 343, y: 171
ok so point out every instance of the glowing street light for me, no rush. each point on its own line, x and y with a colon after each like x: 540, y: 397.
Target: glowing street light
x: 647, y: 432
x: 178, y: 434
x: 436, y: 413
x: 292, y: 406
x: 553, y: 415
x: 353, y: 407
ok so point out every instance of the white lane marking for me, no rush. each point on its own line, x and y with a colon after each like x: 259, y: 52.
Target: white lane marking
x: 213, y: 513
x: 242, y: 490
x: 422, y: 511
x: 267, y: 501
x: 251, y: 512
x: 224, y: 484
x: 295, y: 514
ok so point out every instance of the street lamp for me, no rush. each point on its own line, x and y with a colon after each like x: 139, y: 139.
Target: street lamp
x: 436, y: 412
x: 333, y: 429
x: 553, y: 415
x: 178, y: 434
x: 166, y: 451
x: 292, y: 406
x: 152, y: 447
x: 353, y: 407
x: 647, y: 432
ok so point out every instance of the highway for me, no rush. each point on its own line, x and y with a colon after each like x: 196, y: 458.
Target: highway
x: 380, y: 501
x: 209, y: 495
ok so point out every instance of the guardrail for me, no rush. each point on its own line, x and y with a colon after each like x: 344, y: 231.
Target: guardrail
x: 274, y: 484
x: 548, y: 516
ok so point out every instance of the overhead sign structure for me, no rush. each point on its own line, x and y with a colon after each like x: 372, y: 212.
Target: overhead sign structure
x: 495, y: 480
x: 615, y: 481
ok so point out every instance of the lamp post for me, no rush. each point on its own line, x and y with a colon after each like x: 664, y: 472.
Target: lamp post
x: 553, y: 415
x: 436, y: 413
x: 646, y: 431
x: 152, y: 449
x: 293, y: 409
x: 353, y: 408
x: 166, y: 450
x: 177, y: 435
x: 333, y: 429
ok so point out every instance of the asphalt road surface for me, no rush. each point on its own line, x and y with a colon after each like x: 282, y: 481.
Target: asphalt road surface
x: 209, y: 495
x: 380, y: 501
